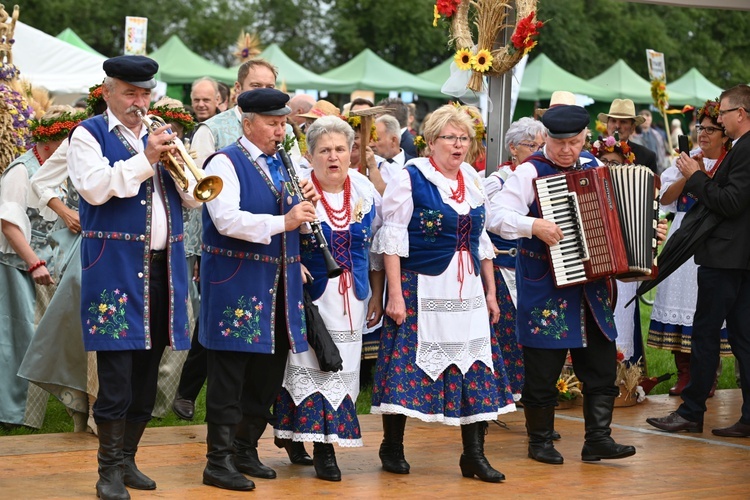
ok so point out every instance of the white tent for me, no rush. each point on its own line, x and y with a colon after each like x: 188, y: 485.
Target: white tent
x: 58, y: 66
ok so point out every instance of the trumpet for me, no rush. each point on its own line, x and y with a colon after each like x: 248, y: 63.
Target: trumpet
x: 207, y: 188
x: 332, y: 268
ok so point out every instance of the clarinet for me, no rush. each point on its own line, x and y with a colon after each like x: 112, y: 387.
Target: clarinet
x: 332, y: 268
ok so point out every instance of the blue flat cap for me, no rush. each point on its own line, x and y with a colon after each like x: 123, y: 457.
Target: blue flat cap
x: 264, y: 102
x: 565, y: 120
x: 135, y: 70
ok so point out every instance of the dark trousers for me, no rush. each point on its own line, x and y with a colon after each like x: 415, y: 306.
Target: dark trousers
x: 723, y: 294
x: 594, y: 365
x: 193, y: 373
x: 127, y: 379
x: 246, y: 383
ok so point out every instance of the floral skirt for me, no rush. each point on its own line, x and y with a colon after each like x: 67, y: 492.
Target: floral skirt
x: 315, y: 420
x: 455, y: 398
x: 504, y: 337
x: 677, y: 338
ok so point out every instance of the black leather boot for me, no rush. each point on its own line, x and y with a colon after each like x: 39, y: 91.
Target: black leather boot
x: 220, y: 470
x: 324, y: 459
x: 540, y: 425
x: 110, y: 485
x: 295, y: 449
x: 392, y: 448
x: 246, y: 448
x: 132, y: 477
x: 473, y: 462
x: 597, y: 415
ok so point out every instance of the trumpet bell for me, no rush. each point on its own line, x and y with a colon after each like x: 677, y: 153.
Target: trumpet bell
x: 208, y: 188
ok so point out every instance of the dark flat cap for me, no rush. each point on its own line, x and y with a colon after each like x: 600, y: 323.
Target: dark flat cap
x: 565, y: 121
x: 264, y: 102
x: 135, y: 70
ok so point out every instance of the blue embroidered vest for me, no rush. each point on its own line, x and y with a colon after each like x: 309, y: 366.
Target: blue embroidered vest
x: 240, y: 280
x: 40, y: 228
x: 436, y: 231
x: 115, y: 259
x: 350, y: 248
x: 550, y: 317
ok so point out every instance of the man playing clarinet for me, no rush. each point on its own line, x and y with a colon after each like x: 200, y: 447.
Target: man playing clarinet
x: 251, y: 286
x: 552, y: 320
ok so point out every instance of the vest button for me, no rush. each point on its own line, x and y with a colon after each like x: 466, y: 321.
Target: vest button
x: 270, y: 290
x: 140, y: 275
x: 143, y: 202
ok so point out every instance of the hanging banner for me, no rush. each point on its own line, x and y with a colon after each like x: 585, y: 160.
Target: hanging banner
x: 135, y: 35
x: 657, y: 70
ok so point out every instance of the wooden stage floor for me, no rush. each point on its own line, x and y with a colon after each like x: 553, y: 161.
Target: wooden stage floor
x: 666, y: 465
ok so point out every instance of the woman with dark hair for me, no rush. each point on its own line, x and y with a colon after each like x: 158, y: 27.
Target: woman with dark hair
x: 435, y: 358
x: 674, y: 306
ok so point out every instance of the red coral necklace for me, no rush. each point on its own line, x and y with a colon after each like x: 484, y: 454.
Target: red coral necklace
x: 38, y: 156
x: 339, y: 218
x: 459, y: 194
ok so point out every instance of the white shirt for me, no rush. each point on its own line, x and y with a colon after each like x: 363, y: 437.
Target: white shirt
x: 97, y: 182
x: 225, y: 209
x: 388, y: 170
x: 509, y: 209
x: 46, y: 183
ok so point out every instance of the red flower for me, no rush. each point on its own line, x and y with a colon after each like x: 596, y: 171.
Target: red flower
x: 303, y: 420
x: 620, y: 356
x: 525, y: 31
x: 309, y: 403
x: 316, y: 427
x: 329, y: 417
x: 447, y: 8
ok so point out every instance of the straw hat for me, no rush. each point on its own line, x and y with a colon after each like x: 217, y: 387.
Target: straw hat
x: 558, y: 98
x: 622, y: 109
x: 321, y: 108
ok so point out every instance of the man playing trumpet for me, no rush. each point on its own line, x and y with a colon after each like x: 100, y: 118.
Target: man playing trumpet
x: 134, y: 281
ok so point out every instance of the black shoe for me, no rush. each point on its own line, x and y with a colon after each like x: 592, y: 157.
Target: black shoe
x: 392, y: 448
x: 473, y: 462
x: 183, y: 408
x: 246, y: 458
x: 540, y: 427
x: 220, y: 470
x: 737, y: 430
x: 110, y: 485
x: 597, y: 416
x: 556, y: 436
x: 295, y: 450
x: 132, y: 477
x: 674, y: 422
x: 324, y: 459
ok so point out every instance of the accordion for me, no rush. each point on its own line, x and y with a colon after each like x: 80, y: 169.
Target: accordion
x: 608, y: 216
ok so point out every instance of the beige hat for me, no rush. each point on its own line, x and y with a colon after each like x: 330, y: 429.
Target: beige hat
x: 622, y: 109
x: 321, y: 108
x: 558, y: 98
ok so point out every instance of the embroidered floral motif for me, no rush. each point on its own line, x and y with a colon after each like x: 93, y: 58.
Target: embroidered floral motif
x: 550, y: 321
x: 242, y: 321
x: 308, y: 247
x: 359, y: 211
x: 431, y: 223
x: 603, y: 298
x: 107, y: 317
x: 303, y: 321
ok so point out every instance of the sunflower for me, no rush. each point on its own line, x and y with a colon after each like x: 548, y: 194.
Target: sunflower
x: 482, y: 61
x: 463, y: 59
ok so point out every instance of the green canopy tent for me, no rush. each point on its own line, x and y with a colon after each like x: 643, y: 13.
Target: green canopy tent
x: 70, y: 36
x: 696, y: 86
x: 542, y: 77
x: 367, y: 71
x: 439, y: 74
x: 625, y: 83
x: 293, y: 76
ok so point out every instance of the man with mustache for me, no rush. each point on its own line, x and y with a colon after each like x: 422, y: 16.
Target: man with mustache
x: 134, y: 281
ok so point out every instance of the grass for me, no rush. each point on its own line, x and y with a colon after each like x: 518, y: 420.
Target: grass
x: 658, y: 362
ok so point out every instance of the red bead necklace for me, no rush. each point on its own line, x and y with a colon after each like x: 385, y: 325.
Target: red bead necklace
x: 339, y: 218
x: 459, y: 194
x: 38, y: 156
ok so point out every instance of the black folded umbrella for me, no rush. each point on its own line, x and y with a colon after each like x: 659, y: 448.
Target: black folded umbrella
x: 698, y: 224
x: 320, y: 341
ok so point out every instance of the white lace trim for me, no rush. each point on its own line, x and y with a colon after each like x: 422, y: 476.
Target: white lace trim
x: 302, y: 382
x: 673, y: 317
x: 435, y: 357
x: 346, y: 336
x: 318, y: 438
x: 474, y: 187
x: 424, y: 417
x: 392, y: 239
x: 376, y: 261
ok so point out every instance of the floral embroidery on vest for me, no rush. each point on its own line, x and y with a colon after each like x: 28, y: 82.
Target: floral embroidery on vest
x: 550, y: 321
x: 242, y: 321
x: 303, y: 322
x: 606, y: 303
x: 307, y: 246
x: 430, y: 223
x: 107, y: 317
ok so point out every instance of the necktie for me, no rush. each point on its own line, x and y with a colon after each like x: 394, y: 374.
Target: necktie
x: 390, y: 160
x: 274, y: 168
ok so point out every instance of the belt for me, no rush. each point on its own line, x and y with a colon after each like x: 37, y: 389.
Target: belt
x: 157, y: 255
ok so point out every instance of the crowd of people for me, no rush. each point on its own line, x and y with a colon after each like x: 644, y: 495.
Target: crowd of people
x: 444, y: 293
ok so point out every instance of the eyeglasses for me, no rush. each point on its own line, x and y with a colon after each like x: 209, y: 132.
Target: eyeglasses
x: 722, y: 112
x: 532, y: 146
x: 463, y: 139
x: 708, y: 130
